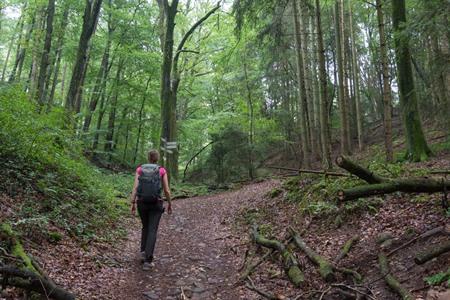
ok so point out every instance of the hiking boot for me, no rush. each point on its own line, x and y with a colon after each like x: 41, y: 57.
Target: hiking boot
x: 147, y: 266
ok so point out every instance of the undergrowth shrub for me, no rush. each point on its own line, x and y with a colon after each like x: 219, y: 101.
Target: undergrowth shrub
x: 41, y: 163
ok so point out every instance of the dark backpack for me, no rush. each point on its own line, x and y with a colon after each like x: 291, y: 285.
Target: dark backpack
x: 149, y: 187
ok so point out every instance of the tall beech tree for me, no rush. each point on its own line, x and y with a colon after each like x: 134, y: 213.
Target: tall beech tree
x: 342, y: 76
x: 170, y: 73
x: 387, y: 98
x: 417, y: 148
x: 90, y: 18
x: 45, y: 58
x: 301, y: 90
x: 323, y: 88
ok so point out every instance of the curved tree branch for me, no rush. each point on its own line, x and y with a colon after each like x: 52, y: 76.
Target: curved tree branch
x: 188, y: 34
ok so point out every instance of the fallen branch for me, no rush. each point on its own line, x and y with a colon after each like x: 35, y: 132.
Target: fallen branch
x: 289, y: 261
x: 251, y: 267
x: 251, y: 286
x: 33, y: 282
x: 410, y: 185
x: 324, y: 172
x: 380, y: 185
x: 358, y: 170
x: 439, y: 172
x: 350, y: 272
x: 391, y: 281
x: 346, y: 248
x: 422, y: 236
x: 357, y: 291
x: 431, y: 253
x: 325, y: 267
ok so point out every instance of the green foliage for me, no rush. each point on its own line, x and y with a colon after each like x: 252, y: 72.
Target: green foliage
x: 275, y: 192
x: 40, y: 158
x: 439, y: 278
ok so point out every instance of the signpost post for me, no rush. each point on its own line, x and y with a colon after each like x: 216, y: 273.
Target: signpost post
x: 167, y: 148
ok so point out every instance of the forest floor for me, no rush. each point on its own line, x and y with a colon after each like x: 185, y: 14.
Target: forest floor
x: 204, y: 245
x: 202, y: 248
x: 198, y: 254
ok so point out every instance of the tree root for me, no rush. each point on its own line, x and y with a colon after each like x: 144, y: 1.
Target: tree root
x: 391, y: 281
x: 251, y: 286
x: 27, y: 275
x: 32, y: 282
x: 432, y: 252
x: 346, y: 248
x: 290, y: 263
x: 422, y: 236
x: 325, y: 267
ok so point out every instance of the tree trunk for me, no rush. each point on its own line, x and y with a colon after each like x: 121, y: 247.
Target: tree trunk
x: 343, y: 92
x: 251, y: 174
x: 120, y: 128
x: 109, y: 140
x: 90, y: 18
x: 380, y: 185
x: 21, y: 50
x: 387, y: 99
x: 40, y: 94
x: 323, y: 93
x: 301, y: 89
x: 167, y: 13
x: 170, y: 76
x: 101, y: 114
x: 31, y: 84
x: 18, y: 29
x: 417, y: 148
x: 309, y: 105
x: 315, y: 86
x: 355, y: 169
x: 100, y: 83
x: 141, y: 113
x: 356, y: 75
x: 57, y: 58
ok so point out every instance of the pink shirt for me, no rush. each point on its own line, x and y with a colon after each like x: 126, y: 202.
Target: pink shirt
x: 162, y: 171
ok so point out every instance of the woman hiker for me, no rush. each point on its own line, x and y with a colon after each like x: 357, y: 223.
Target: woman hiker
x: 146, y: 194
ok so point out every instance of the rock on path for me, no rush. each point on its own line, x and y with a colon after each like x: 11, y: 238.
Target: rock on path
x: 194, y: 252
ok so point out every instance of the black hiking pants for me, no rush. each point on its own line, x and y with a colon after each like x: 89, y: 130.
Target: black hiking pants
x: 150, y: 215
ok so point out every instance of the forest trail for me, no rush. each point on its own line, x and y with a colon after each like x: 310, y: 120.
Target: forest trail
x: 194, y: 251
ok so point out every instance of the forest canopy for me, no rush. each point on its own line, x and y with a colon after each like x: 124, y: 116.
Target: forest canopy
x: 231, y: 84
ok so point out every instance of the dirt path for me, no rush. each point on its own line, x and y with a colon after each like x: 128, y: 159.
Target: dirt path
x: 194, y: 251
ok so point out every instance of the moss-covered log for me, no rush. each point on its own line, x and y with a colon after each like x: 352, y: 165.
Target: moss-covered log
x: 409, y: 185
x: 391, y: 281
x: 431, y: 253
x: 325, y: 267
x: 290, y: 263
x: 346, y: 248
x: 33, y: 282
x: 17, y: 250
x: 27, y: 275
x: 355, y: 169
